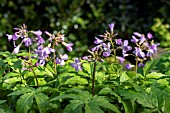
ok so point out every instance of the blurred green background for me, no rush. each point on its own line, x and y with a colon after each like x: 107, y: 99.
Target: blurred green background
x: 82, y: 20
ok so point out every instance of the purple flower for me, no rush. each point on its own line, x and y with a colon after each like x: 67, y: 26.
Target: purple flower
x: 152, y: 49
x: 150, y: 36
x: 138, y: 52
x: 27, y: 41
x: 76, y: 64
x: 40, y: 40
x: 68, y: 46
x: 43, y: 53
x: 12, y: 37
x: 37, y: 33
x: 129, y: 66
x: 96, y: 48
x: 97, y: 41
x: 118, y: 41
x: 121, y: 59
x: 62, y: 59
x: 125, y: 47
x: 141, y: 65
x: 134, y: 39
x: 106, y: 48
x: 16, y: 50
x: 142, y: 39
x: 111, y: 26
x: 47, y: 51
x: 137, y: 34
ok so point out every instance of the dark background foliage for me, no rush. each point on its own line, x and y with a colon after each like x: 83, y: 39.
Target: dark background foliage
x: 81, y: 20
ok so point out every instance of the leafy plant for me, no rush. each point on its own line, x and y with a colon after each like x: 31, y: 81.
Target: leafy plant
x: 82, y: 101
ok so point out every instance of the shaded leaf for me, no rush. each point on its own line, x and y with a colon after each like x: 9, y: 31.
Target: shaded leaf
x: 75, y: 106
x: 24, y: 103
x: 103, y: 102
x: 42, y: 102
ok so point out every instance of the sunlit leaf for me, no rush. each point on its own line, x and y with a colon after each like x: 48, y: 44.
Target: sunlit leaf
x: 149, y: 65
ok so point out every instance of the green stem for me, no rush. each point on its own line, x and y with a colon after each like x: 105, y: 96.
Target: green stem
x: 114, y: 51
x: 136, y: 65
x: 55, y: 65
x: 115, y: 55
x: 35, y: 76
x: 93, y: 78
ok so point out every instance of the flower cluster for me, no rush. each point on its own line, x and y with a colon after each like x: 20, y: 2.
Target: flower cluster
x: 144, y: 47
x: 28, y: 37
x: 107, y: 45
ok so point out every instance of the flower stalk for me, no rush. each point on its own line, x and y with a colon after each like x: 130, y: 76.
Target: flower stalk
x: 93, y: 77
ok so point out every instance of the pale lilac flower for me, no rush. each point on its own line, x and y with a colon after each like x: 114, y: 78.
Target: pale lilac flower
x: 76, y: 64
x: 138, y: 52
x: 118, y: 41
x: 111, y: 26
x: 142, y: 39
x: 96, y: 48
x: 137, y: 34
x: 150, y: 36
x: 40, y: 40
x: 27, y: 41
x: 12, y: 37
x: 134, y: 39
x: 121, y: 59
x: 16, y: 50
x: 129, y: 66
x: 47, y: 51
x: 141, y: 65
x: 68, y: 46
x: 43, y: 53
x: 125, y: 47
x: 106, y: 48
x: 152, y: 49
x: 37, y: 33
x: 97, y: 41
x: 62, y: 59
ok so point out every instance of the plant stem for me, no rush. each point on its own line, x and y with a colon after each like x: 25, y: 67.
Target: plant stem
x: 114, y: 51
x: 93, y: 78
x: 55, y: 66
x: 115, y: 55
x: 35, y: 76
x: 136, y: 65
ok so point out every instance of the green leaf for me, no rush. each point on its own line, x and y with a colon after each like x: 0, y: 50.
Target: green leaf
x: 87, y: 109
x: 2, y: 101
x: 12, y: 80
x: 124, y: 77
x: 11, y: 74
x: 86, y: 67
x: 42, y: 102
x: 24, y: 103
x: 105, y: 91
x: 17, y: 64
x: 19, y: 92
x: 149, y: 65
x: 166, y: 106
x: 93, y: 108
x: 25, y: 54
x: 154, y: 75
x: 103, y: 102
x: 2, y: 63
x: 73, y: 96
x: 76, y: 80
x: 75, y: 106
x: 129, y: 106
